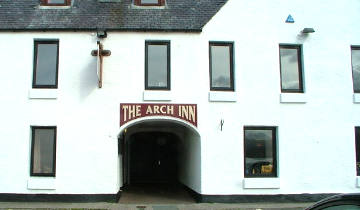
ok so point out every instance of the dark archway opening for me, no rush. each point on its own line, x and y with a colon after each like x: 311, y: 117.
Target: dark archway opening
x: 153, y: 158
x: 160, y: 163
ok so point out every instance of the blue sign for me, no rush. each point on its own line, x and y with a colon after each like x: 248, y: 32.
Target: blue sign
x: 290, y: 19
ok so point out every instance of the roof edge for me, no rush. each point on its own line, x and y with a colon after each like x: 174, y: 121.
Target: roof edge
x: 226, y: 1
x: 96, y: 29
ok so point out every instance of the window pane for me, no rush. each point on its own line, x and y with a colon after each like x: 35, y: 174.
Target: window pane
x: 43, y: 151
x: 355, y: 58
x: 290, y: 72
x: 220, y: 67
x: 357, y: 144
x: 157, y: 66
x: 259, y: 156
x: 56, y: 1
x: 149, y: 1
x: 46, y: 64
x: 343, y: 207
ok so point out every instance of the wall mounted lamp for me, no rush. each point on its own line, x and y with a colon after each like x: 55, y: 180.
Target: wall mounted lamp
x: 101, y: 34
x: 308, y: 30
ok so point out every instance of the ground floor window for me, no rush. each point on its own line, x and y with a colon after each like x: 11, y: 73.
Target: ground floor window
x: 357, y: 145
x: 43, y: 151
x: 260, y: 152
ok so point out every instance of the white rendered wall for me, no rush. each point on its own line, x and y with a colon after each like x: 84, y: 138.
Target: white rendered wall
x: 86, y: 161
x: 315, y: 139
x: 190, y: 160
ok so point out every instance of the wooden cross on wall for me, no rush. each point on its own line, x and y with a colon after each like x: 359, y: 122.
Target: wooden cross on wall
x: 100, y: 53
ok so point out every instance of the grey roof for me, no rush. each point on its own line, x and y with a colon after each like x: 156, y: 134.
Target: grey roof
x: 122, y: 15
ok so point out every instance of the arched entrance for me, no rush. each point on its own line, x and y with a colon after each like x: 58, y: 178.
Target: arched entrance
x: 160, y: 154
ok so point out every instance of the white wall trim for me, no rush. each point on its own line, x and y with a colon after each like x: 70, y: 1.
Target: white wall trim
x: 43, y: 94
x: 156, y: 95
x: 356, y: 98
x: 222, y: 96
x: 299, y: 98
x: 261, y: 183
x: 358, y: 182
x: 41, y: 183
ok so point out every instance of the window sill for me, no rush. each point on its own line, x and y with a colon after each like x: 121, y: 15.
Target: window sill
x: 41, y: 183
x: 358, y: 182
x: 110, y: 1
x: 217, y: 96
x: 147, y: 7
x: 261, y: 183
x: 296, y: 98
x: 54, y: 7
x: 356, y: 98
x: 156, y: 95
x: 43, y: 94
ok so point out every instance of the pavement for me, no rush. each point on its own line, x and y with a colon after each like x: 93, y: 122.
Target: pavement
x: 151, y: 206
x: 153, y: 197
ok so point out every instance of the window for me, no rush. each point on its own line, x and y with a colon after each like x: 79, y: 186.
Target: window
x: 355, y: 60
x: 357, y: 145
x: 43, y: 151
x: 149, y: 2
x: 157, y: 65
x: 221, y: 66
x: 260, y: 152
x: 46, y: 58
x: 291, y: 68
x: 55, y: 2
x: 342, y: 207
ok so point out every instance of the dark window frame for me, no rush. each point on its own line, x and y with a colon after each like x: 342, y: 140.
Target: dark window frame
x: 274, y: 151
x: 357, y: 149
x: 231, y: 49
x: 300, y: 68
x: 160, y: 3
x: 46, y: 3
x: 354, y: 47
x: 36, y: 44
x: 168, y: 51
x: 32, y: 173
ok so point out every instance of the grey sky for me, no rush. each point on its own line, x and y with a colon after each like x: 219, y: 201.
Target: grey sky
x: 46, y: 64
x: 355, y: 57
x: 157, y: 65
x: 220, y: 66
x: 289, y: 68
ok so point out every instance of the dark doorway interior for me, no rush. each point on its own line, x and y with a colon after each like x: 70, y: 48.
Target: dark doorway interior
x: 153, y: 162
x: 153, y: 158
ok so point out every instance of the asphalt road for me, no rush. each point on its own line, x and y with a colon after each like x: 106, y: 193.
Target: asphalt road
x: 115, y: 206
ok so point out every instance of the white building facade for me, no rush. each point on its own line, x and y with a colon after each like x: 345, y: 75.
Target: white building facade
x: 254, y: 102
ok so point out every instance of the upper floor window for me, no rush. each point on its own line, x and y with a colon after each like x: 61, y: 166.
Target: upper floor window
x: 357, y: 145
x: 291, y: 68
x: 149, y: 2
x: 46, y: 58
x: 221, y: 66
x: 355, y: 61
x: 55, y: 2
x: 260, y: 152
x: 157, y: 65
x: 43, y: 151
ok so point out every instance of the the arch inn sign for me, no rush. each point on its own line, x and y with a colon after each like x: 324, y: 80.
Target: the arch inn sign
x: 187, y: 112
